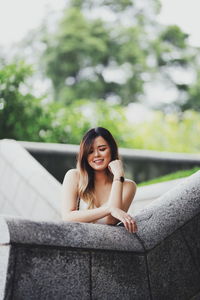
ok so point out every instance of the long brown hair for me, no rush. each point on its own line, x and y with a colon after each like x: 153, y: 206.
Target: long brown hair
x: 86, y: 180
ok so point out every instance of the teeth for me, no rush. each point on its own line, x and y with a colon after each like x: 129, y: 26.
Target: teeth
x: 98, y: 160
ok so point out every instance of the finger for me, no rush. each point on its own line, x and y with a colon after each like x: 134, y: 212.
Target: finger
x: 132, y: 227
x: 129, y: 224
x: 132, y: 223
x: 125, y: 224
x: 135, y: 226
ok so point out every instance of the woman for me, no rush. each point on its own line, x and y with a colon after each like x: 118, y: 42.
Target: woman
x: 96, y: 191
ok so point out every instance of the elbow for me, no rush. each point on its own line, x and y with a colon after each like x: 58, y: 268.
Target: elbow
x: 71, y: 216
x: 67, y: 217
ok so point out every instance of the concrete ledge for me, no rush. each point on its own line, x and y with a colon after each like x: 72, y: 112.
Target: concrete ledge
x: 140, y: 165
x: 170, y: 211
x: 147, y: 194
x: 43, y: 260
x: 137, y: 153
x: 70, y: 235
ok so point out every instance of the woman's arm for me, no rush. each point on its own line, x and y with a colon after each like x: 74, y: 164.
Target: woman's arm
x: 121, y: 196
x: 69, y: 202
x: 71, y: 214
x: 122, y: 193
x: 120, y: 199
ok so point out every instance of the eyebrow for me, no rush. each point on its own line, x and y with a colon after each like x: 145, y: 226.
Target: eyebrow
x: 100, y: 146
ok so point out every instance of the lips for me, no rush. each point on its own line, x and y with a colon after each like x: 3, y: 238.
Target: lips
x: 98, y: 161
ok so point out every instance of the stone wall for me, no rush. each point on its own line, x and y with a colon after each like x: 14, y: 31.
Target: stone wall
x: 62, y: 260
x: 27, y: 189
x: 140, y: 165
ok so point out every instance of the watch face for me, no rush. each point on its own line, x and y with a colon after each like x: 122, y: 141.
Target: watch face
x: 122, y: 179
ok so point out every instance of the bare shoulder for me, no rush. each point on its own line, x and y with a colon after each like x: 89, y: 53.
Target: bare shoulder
x: 130, y: 185
x: 72, y: 175
x: 129, y: 190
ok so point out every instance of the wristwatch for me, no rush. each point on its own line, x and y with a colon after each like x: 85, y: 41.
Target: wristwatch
x: 121, y: 178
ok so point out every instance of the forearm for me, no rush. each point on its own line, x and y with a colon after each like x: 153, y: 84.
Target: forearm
x: 87, y: 216
x: 115, y: 198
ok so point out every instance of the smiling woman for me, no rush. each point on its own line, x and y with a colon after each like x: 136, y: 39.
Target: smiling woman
x: 96, y: 191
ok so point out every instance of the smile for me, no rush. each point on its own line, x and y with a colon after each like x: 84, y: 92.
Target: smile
x: 97, y: 161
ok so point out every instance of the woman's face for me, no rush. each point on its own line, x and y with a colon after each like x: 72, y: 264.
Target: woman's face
x: 99, y: 155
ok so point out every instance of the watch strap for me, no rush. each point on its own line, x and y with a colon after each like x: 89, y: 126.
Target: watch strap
x: 121, y: 178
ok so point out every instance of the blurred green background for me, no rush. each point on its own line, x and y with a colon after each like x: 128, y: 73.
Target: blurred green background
x: 101, y: 63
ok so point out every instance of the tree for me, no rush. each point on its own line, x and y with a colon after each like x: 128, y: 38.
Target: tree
x: 112, y: 58
x: 68, y: 124
x: 175, y: 58
x: 94, y: 58
x: 192, y: 99
x: 25, y: 117
x: 21, y: 114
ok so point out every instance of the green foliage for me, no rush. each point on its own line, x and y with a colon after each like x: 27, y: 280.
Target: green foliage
x: 193, y: 96
x: 65, y: 125
x: 72, y: 50
x: 19, y: 109
x: 171, y: 176
x: 168, y: 133
x: 174, y: 36
x: 83, y: 51
x: 24, y: 117
x: 93, y: 58
x: 172, y: 49
x: 68, y: 124
x: 116, y: 6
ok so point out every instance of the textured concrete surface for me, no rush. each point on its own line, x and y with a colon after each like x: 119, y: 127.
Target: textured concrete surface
x: 172, y: 271
x: 191, y: 234
x: 4, y: 258
x: 145, y: 195
x: 119, y: 276
x: 60, y: 260
x: 170, y: 211
x: 43, y: 273
x: 74, y: 235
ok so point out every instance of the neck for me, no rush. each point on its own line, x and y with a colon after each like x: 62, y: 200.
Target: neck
x: 101, y: 177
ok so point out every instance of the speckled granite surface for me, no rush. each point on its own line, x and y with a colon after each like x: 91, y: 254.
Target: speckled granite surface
x: 44, y: 260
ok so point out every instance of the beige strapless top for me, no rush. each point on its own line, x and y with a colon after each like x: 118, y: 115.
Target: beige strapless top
x: 84, y: 206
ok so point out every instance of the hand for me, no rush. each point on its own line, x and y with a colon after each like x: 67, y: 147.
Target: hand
x: 116, y: 168
x: 125, y: 218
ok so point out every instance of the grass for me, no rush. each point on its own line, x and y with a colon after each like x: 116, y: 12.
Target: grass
x: 171, y: 176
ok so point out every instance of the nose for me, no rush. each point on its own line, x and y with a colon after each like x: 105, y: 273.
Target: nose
x: 96, y: 152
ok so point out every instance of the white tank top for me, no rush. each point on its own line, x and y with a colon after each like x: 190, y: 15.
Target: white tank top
x: 84, y: 206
